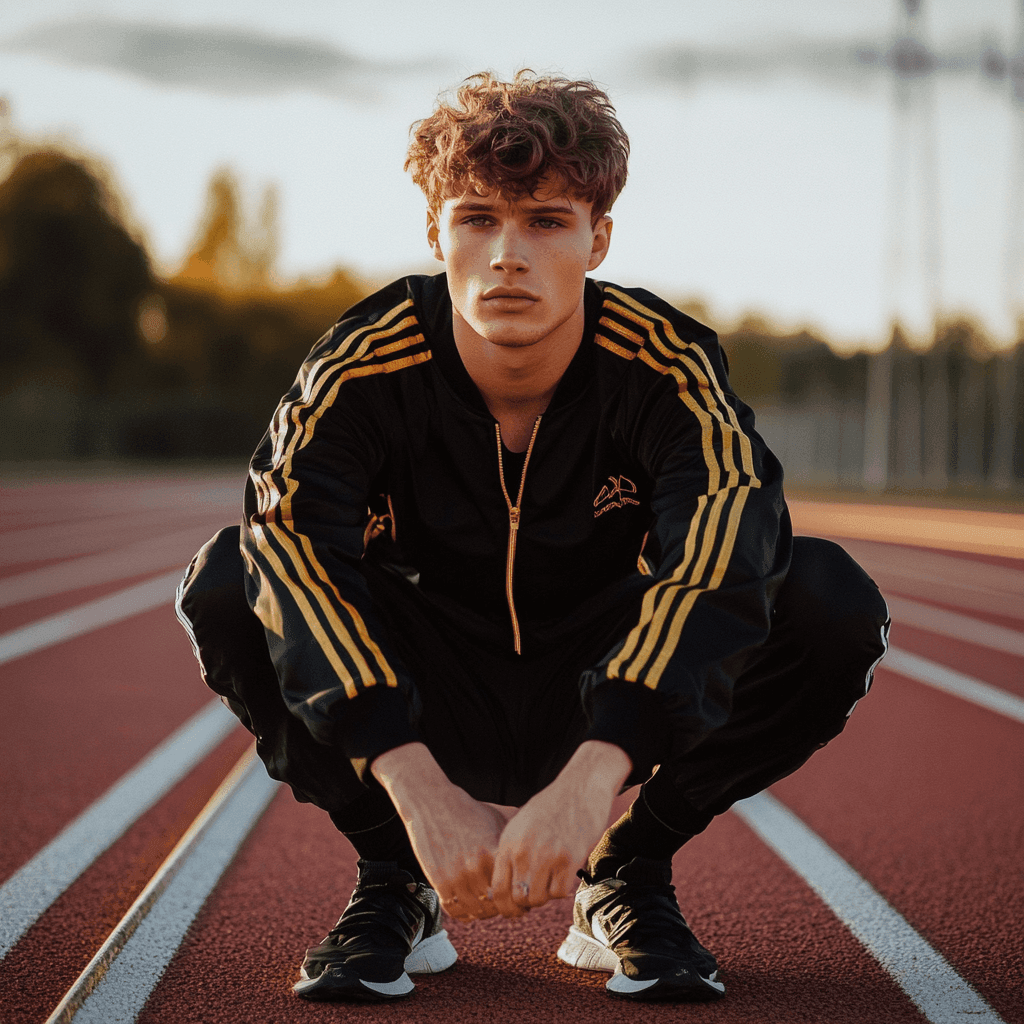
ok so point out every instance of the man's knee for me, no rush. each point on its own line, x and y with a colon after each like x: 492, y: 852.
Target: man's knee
x: 213, y: 590
x: 832, y: 592
x: 213, y: 602
x: 841, y: 616
x: 228, y: 638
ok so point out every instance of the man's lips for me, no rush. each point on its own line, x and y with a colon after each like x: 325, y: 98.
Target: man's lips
x: 508, y: 293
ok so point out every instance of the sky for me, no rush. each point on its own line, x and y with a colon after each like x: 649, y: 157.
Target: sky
x: 768, y: 155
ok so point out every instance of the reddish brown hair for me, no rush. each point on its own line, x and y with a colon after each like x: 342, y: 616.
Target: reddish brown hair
x: 508, y: 136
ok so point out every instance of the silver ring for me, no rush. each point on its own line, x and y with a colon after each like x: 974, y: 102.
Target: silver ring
x: 523, y: 887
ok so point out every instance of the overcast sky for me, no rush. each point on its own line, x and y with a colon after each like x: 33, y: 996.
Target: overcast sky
x: 761, y: 176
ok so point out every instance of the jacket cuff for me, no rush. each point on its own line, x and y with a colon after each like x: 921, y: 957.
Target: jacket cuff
x: 632, y: 717
x: 376, y: 721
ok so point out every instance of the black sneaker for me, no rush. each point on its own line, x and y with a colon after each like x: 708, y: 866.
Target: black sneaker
x: 631, y: 925
x: 390, y: 929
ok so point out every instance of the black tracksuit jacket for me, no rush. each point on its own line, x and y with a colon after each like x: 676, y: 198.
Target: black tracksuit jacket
x: 645, y: 477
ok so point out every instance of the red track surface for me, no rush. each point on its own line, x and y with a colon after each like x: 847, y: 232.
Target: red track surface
x: 922, y: 796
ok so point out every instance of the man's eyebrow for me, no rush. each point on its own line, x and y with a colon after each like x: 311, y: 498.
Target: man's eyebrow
x: 474, y: 205
x: 565, y: 210
x: 483, y: 206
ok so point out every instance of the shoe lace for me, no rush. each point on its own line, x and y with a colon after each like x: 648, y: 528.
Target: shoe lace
x: 643, y: 914
x: 377, y: 913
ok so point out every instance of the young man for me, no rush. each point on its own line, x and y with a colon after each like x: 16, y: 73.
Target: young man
x: 512, y: 544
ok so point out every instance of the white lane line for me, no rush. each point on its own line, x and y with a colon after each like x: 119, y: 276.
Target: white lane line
x: 30, y: 891
x: 962, y: 627
x: 54, y: 629
x: 956, y: 683
x: 924, y: 975
x: 123, y: 973
x: 82, y: 536
x: 160, y: 552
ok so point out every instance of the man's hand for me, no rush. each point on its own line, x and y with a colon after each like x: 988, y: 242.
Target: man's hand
x: 552, y: 835
x: 453, y: 836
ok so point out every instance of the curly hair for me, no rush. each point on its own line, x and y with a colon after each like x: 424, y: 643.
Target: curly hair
x: 510, y: 136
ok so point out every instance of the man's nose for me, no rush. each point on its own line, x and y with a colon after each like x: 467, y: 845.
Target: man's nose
x: 509, y: 253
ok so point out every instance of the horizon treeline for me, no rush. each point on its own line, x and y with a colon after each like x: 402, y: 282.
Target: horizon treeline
x: 100, y: 356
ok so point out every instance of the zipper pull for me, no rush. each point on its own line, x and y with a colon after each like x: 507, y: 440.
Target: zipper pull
x: 513, y: 517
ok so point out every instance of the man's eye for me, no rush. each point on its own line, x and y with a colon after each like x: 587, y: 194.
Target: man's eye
x: 547, y: 222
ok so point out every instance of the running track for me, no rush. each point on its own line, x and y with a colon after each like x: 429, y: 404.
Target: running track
x: 884, y: 882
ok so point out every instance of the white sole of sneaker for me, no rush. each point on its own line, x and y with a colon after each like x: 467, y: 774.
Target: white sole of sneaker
x: 322, y: 987
x: 586, y: 953
x: 583, y: 951
x: 431, y: 956
x: 623, y: 986
x: 428, y: 956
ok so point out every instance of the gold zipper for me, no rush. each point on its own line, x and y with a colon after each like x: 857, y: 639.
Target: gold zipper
x: 514, y: 512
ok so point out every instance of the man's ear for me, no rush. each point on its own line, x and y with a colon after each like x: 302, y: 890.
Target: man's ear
x: 602, y: 240
x: 434, y: 235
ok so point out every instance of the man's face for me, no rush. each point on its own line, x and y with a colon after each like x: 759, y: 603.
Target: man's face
x: 516, y: 269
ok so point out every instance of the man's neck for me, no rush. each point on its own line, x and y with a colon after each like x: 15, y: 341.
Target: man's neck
x: 518, y: 382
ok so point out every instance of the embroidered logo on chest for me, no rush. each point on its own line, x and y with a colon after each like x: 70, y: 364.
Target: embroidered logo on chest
x: 619, y: 491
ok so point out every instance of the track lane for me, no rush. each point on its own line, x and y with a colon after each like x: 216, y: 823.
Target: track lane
x: 151, y: 554
x: 876, y: 1011
x: 504, y: 973
x: 918, y: 968
x: 783, y: 953
x: 31, y: 889
x: 65, y: 541
x: 30, y: 618
x: 939, y: 622
x: 83, y: 713
x: 921, y: 796
x: 1005, y: 671
x: 970, y: 587
x: 43, y: 965
x: 120, y: 977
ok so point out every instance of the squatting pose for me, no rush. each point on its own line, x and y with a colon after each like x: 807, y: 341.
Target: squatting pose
x: 511, y: 544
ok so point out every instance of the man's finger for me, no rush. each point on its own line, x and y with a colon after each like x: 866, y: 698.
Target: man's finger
x: 488, y: 904
x: 481, y: 885
x: 452, y: 905
x: 530, y: 891
x: 463, y: 891
x: 501, y: 888
x: 543, y: 892
x: 563, y: 885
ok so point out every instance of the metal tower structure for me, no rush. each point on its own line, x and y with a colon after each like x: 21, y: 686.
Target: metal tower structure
x: 1015, y: 221
x: 914, y: 259
x: 1008, y: 395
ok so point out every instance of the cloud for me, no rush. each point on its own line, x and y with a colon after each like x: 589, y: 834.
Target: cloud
x: 849, y: 62
x: 222, y: 60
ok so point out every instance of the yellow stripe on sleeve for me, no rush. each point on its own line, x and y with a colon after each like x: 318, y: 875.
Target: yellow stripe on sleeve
x: 275, y: 502
x: 308, y: 614
x: 658, y: 632
x: 670, y: 333
x: 675, y: 631
x: 647, y: 609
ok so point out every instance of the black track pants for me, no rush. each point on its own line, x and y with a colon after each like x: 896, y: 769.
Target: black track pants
x: 502, y: 726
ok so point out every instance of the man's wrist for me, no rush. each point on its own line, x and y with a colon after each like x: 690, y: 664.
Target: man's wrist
x: 598, y: 764
x: 408, y: 773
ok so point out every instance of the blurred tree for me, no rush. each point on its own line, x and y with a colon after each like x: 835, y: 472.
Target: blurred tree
x: 263, y: 241
x: 755, y: 362
x: 10, y: 142
x: 71, y: 276
x: 231, y: 253
x: 216, y: 258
